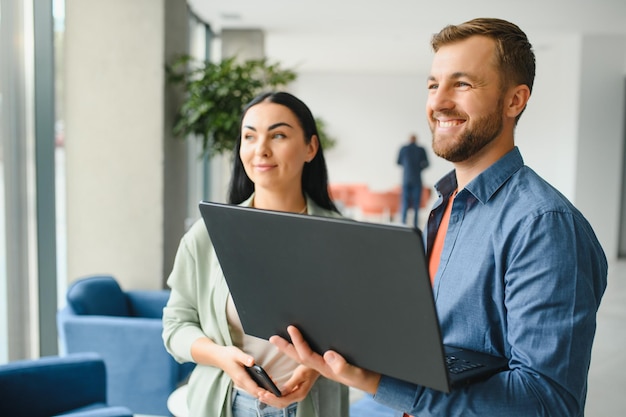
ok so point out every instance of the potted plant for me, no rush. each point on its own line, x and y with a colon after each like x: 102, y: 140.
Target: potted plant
x: 215, y: 94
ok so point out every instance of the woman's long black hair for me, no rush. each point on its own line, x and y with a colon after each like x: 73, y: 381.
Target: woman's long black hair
x: 314, y: 174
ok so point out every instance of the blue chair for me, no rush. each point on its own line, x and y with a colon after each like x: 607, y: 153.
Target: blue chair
x: 73, y: 385
x: 125, y: 328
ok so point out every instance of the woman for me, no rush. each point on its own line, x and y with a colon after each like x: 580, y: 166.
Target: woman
x: 279, y: 166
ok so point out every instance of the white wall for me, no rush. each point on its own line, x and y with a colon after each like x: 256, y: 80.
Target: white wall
x: 547, y: 131
x: 601, y: 135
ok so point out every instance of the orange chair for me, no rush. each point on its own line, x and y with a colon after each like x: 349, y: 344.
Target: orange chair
x: 339, y: 193
x: 383, y: 204
x: 345, y: 194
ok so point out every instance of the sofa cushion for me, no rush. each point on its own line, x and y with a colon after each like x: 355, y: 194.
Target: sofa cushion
x: 97, y: 295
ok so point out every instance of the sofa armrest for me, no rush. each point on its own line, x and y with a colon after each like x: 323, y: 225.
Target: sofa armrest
x: 100, y: 412
x: 141, y: 373
x: 52, y: 385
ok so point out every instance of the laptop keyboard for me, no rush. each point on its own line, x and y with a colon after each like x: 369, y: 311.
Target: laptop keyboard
x: 457, y: 365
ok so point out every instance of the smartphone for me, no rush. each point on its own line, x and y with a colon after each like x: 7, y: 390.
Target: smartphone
x: 262, y: 379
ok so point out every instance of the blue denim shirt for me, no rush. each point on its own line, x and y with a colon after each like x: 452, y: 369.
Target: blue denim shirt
x: 521, y: 275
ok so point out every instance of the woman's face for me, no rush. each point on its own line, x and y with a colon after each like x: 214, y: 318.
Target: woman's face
x: 273, y: 148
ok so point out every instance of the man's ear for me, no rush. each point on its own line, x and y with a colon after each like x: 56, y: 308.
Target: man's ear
x: 517, y: 98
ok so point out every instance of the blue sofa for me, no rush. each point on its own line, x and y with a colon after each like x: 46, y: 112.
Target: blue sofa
x: 125, y: 328
x: 73, y: 385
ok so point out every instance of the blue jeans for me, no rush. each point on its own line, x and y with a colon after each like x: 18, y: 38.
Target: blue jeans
x: 245, y: 405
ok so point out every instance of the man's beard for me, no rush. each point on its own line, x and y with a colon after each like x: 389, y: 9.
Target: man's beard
x: 472, y: 140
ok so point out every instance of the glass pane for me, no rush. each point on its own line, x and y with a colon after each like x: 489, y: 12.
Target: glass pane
x: 58, y: 8
x: 3, y: 262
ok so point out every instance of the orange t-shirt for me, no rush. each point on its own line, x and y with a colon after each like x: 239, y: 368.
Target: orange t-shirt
x: 435, y: 254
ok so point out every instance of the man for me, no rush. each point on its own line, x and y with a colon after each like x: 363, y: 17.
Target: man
x: 517, y: 269
x: 413, y: 160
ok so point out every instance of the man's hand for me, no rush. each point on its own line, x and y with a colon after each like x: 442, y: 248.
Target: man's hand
x: 332, y: 365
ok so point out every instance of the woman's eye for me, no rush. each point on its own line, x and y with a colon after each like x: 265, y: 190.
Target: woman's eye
x: 433, y: 86
x: 278, y: 136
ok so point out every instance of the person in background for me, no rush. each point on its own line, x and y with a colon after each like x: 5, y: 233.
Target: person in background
x: 518, y: 271
x: 413, y: 160
x: 279, y: 165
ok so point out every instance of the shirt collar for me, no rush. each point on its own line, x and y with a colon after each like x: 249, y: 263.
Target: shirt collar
x: 485, y: 185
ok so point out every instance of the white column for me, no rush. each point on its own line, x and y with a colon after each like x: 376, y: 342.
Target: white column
x: 116, y: 137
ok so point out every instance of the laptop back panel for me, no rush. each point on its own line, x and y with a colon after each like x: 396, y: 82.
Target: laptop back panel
x: 359, y: 288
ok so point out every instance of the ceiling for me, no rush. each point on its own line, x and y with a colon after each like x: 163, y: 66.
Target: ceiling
x: 392, y: 36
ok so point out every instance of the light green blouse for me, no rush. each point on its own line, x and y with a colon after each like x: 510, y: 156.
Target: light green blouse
x: 197, y: 308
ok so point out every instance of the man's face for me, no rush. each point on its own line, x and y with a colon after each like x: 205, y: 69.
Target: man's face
x: 465, y: 99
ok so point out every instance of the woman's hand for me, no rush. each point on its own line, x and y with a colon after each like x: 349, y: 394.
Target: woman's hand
x: 230, y: 359
x: 294, y: 390
x: 233, y: 360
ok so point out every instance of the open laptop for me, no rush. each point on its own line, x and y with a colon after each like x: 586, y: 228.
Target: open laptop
x: 361, y: 289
